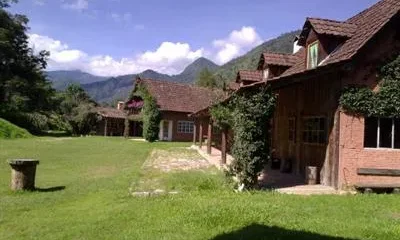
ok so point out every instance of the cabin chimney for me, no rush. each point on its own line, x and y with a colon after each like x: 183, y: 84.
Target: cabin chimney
x: 120, y: 105
x: 296, y: 47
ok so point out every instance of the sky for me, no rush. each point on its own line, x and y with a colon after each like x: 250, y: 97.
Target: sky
x: 117, y: 37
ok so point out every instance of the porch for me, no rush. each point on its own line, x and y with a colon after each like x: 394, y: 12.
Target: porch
x: 270, y: 179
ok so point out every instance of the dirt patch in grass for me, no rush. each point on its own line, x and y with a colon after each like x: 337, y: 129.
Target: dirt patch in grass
x: 175, y: 159
x: 173, y: 169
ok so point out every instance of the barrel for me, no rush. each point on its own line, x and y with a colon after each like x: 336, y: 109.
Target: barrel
x: 311, y: 175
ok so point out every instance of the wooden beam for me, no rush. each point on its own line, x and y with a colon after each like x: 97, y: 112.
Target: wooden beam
x: 209, y: 137
x: 377, y: 185
x: 378, y: 172
x: 105, y: 127
x: 201, y: 134
x: 126, y: 128
x: 223, y: 146
x: 194, y: 134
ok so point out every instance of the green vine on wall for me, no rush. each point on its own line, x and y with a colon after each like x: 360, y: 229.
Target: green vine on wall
x: 248, y: 114
x: 361, y: 100
x: 151, y: 115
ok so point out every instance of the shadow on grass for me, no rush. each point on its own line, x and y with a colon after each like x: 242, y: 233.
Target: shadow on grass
x: 51, y: 189
x: 258, y: 232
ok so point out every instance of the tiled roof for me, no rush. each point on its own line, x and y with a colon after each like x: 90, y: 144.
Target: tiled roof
x: 233, y: 86
x: 279, y: 59
x: 332, y: 27
x: 368, y: 23
x: 250, y: 75
x: 177, y: 97
x: 111, y: 112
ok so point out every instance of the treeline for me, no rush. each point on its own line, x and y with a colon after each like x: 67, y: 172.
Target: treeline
x: 27, y: 98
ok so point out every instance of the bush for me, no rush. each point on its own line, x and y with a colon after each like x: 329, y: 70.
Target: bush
x: 252, y: 112
x: 11, y: 131
x: 151, y: 119
x: 384, y: 103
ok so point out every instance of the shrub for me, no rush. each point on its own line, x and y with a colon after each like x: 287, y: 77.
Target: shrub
x: 151, y: 119
x: 10, y: 131
x: 253, y: 109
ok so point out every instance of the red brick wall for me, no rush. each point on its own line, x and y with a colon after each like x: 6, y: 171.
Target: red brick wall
x: 352, y: 153
x: 175, y: 117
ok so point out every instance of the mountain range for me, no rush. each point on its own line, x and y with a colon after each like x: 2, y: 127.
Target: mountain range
x: 107, y: 90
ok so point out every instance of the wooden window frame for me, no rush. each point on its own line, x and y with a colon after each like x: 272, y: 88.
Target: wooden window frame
x: 315, y: 43
x: 324, y: 131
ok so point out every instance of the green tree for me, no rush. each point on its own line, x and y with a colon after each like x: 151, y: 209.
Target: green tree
x: 24, y: 90
x: 206, y: 78
x: 151, y: 118
x: 78, y: 109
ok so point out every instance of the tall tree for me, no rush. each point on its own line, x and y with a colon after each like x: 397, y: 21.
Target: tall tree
x: 206, y: 78
x: 78, y: 109
x: 23, y: 86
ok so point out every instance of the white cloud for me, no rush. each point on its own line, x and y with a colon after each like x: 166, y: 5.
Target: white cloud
x: 119, y: 18
x: 170, y: 58
x: 237, y: 43
x: 78, y: 5
x: 39, y: 2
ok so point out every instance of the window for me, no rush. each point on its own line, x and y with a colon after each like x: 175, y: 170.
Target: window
x: 382, y: 133
x: 266, y: 73
x: 314, y: 130
x: 185, y: 127
x: 292, y: 129
x: 312, y: 55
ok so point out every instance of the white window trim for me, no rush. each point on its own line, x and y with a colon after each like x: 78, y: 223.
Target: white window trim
x: 184, y: 127
x: 378, y: 137
x: 266, y: 73
x: 316, y: 42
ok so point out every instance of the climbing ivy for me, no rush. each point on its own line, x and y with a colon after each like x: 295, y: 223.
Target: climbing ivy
x: 251, y: 113
x: 151, y: 115
x: 361, y: 100
x: 221, y: 115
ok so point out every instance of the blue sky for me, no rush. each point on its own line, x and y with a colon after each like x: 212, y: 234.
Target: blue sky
x: 115, y: 37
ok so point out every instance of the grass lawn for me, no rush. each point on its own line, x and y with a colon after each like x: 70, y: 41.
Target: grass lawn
x: 95, y: 204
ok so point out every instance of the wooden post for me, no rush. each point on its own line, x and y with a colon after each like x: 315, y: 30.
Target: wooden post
x: 194, y: 133
x: 223, y: 146
x: 209, y: 137
x: 126, y: 128
x: 105, y: 127
x: 201, y: 134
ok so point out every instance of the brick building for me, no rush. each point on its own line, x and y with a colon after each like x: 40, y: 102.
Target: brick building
x: 176, y: 102
x: 309, y: 128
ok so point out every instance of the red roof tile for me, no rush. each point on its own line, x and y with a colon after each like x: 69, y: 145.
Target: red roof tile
x: 111, y: 112
x: 233, y: 86
x: 367, y: 23
x: 177, y: 97
x: 279, y: 59
x: 250, y: 75
x: 332, y: 27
